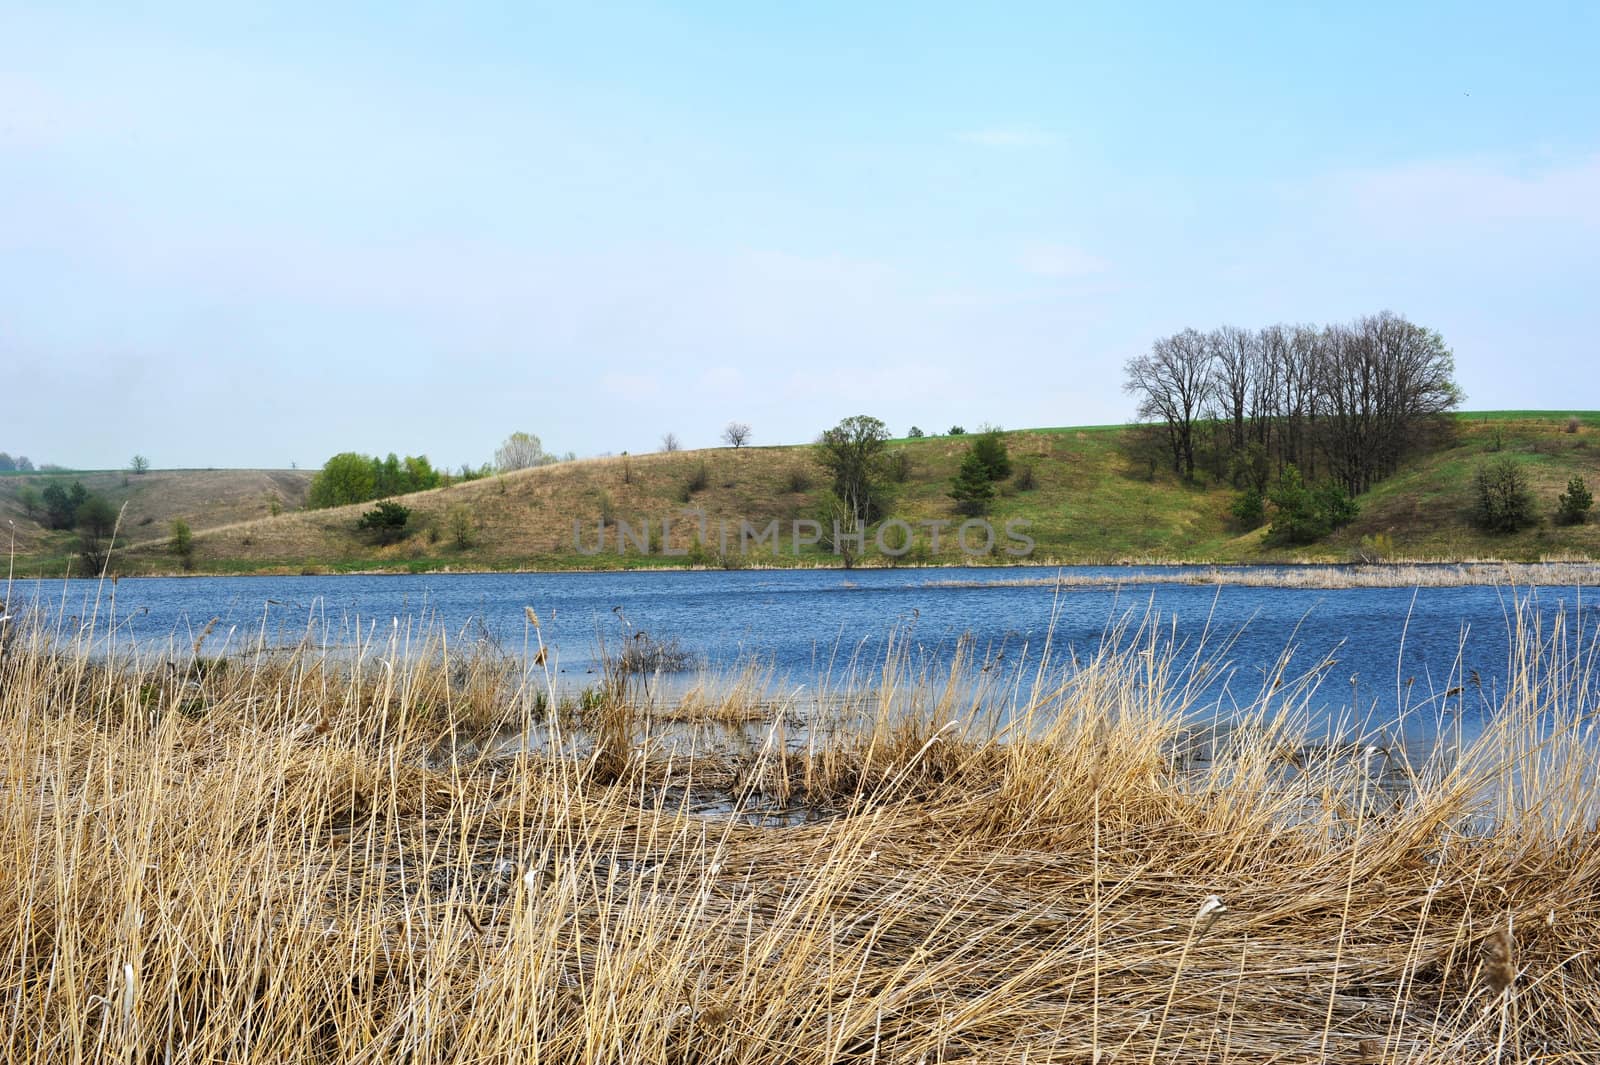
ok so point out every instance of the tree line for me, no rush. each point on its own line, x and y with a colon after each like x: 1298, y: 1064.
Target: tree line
x: 1345, y: 402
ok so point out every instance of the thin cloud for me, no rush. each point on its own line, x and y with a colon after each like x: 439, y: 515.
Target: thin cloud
x: 1062, y: 260
x: 1008, y: 137
x: 1470, y: 193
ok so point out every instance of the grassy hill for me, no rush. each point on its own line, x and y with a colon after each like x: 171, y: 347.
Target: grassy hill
x: 1090, y: 502
x: 206, y: 499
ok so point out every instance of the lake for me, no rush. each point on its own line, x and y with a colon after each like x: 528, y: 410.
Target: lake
x: 1379, y: 648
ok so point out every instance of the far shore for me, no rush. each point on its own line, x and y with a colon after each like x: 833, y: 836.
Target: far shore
x: 1407, y: 574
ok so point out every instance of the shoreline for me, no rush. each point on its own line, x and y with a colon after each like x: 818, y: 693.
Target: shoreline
x: 1430, y: 573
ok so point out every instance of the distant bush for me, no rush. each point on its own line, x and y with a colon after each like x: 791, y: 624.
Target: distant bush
x: 915, y: 433
x: 29, y: 500
x: 463, y: 524
x: 1572, y: 426
x: 182, y: 543
x: 956, y: 430
x: 1373, y: 549
x: 897, y: 467
x: 1502, y: 501
x: 699, y: 478
x: 386, y: 521
x: 1303, y: 515
x: 1026, y: 480
x: 798, y: 479
x: 61, y: 503
x: 1572, y: 508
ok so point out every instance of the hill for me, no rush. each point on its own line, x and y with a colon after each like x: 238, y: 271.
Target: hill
x: 205, y: 499
x: 1091, y: 499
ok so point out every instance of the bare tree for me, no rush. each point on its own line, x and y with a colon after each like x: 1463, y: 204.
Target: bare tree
x: 138, y: 464
x: 1173, y: 383
x: 669, y: 442
x: 736, y: 434
x: 1233, y: 359
x: 1381, y: 380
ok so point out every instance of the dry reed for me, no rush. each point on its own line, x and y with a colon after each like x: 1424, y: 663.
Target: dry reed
x: 302, y: 858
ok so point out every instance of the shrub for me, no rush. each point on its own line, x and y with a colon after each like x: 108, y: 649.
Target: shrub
x: 462, y: 523
x: 387, y: 521
x: 1572, y: 508
x: 1374, y: 548
x: 1503, y: 503
x: 182, y: 542
x: 798, y: 479
x: 898, y: 466
x: 956, y: 430
x: 699, y: 477
x: 1249, y: 509
x: 1026, y: 480
x: 1572, y: 426
x: 915, y: 433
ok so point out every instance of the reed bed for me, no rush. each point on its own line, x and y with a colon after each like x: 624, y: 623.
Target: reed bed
x: 1359, y: 575
x: 294, y: 857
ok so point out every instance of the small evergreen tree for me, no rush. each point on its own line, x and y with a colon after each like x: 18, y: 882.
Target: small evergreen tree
x: 1303, y: 515
x: 971, y: 488
x: 387, y: 521
x: 1572, y: 508
x: 990, y: 447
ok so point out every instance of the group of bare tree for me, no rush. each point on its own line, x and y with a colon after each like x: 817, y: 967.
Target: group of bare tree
x: 1346, y: 402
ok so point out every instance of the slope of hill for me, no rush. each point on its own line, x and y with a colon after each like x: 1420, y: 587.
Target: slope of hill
x: 1090, y: 500
x: 204, y: 499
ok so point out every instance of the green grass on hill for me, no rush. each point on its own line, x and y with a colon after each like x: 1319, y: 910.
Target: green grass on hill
x: 1090, y: 502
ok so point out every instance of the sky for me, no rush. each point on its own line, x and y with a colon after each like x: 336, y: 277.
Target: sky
x: 255, y: 235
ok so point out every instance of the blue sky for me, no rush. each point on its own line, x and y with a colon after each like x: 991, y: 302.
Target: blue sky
x: 249, y: 235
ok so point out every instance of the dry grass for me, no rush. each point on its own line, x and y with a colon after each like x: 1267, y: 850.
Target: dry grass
x: 1379, y: 575
x: 301, y: 858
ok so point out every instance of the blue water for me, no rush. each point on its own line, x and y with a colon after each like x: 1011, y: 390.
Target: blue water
x: 1387, y: 648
